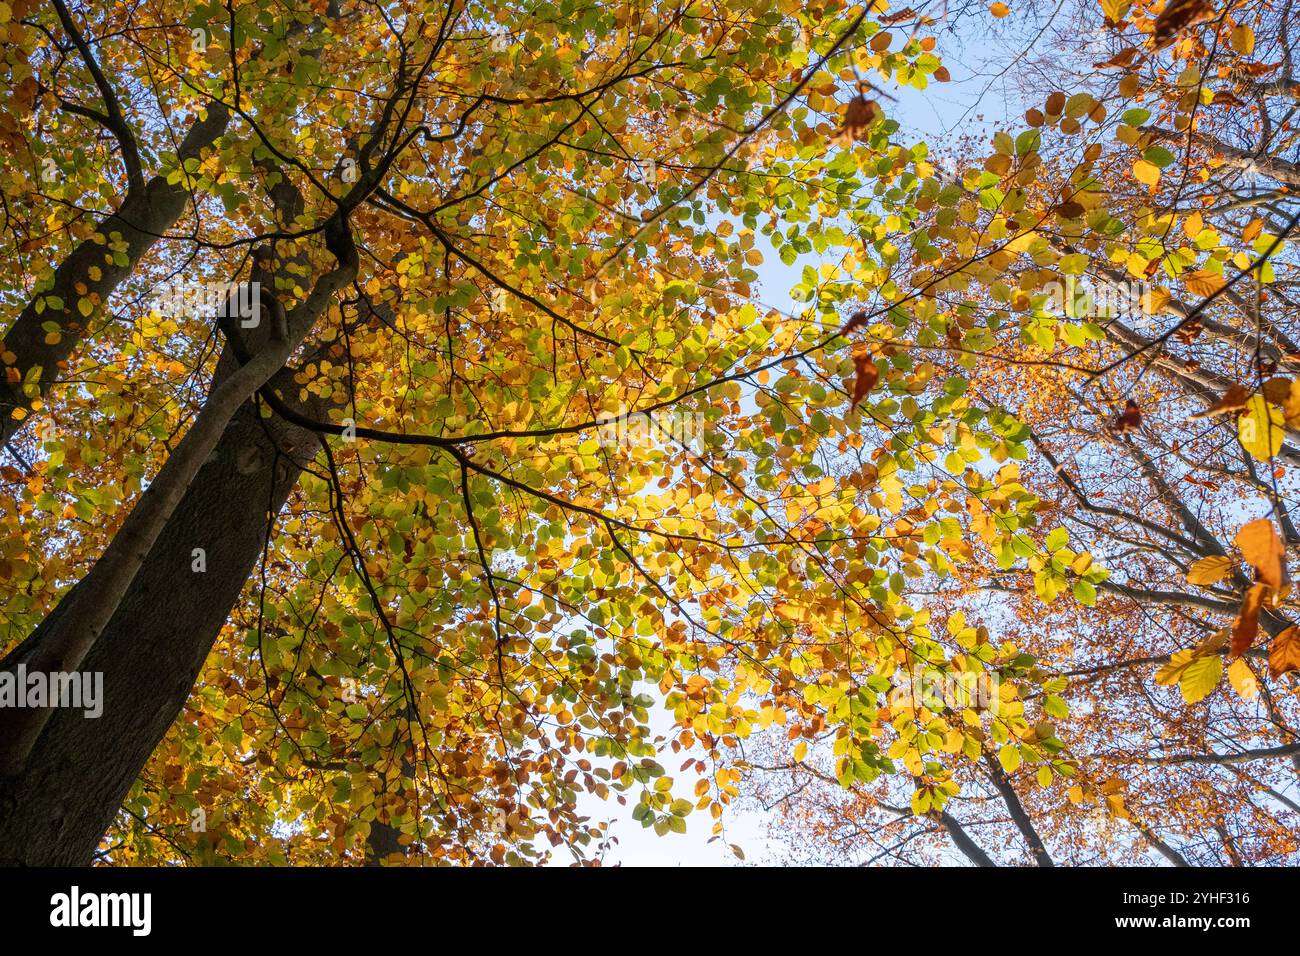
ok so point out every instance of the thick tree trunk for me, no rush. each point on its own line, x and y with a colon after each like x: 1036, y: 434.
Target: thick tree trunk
x: 57, y: 809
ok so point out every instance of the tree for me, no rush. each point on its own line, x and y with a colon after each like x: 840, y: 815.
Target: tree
x: 479, y: 238
x: 468, y: 444
x: 1143, y: 341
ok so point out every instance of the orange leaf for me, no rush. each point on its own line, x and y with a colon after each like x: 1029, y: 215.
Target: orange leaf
x: 1246, y: 627
x: 1233, y: 400
x: 1203, y: 282
x: 999, y: 9
x: 867, y: 375
x: 1284, y: 655
x: 1263, y: 550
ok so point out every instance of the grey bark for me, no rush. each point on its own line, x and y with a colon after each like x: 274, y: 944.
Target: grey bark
x: 143, y: 218
x: 57, y: 809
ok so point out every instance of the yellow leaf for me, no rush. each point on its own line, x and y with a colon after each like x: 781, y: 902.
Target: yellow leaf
x: 800, y: 751
x: 1009, y: 757
x: 1243, y: 679
x: 1209, y: 570
x: 1200, y: 677
x: 1261, y: 428
x: 1145, y: 172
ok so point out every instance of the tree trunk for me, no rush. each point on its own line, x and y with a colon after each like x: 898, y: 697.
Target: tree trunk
x: 56, y: 810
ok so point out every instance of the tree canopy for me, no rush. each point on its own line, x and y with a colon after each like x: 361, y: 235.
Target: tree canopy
x: 395, y: 418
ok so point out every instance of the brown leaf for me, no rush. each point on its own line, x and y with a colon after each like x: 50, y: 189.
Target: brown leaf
x: 1284, y: 655
x: 1123, y: 58
x: 1285, y: 394
x: 907, y: 13
x: 1246, y: 627
x: 856, y: 320
x: 1233, y: 400
x: 865, y: 380
x: 1224, y: 98
x: 1264, y: 551
x: 859, y: 116
x: 1277, y: 390
x: 1259, y: 69
x: 1129, y: 420
x: 1177, y: 16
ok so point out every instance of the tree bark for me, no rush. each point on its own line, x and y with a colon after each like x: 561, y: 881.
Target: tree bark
x: 143, y: 218
x: 57, y: 809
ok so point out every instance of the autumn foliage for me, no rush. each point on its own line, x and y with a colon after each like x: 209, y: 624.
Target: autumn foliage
x: 513, y: 492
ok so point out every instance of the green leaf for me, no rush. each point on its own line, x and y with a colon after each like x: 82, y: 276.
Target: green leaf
x: 1085, y: 593
x: 1055, y: 706
x: 1158, y: 156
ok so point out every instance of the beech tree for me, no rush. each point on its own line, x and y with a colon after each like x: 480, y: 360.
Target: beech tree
x: 395, y: 422
x: 1146, y: 342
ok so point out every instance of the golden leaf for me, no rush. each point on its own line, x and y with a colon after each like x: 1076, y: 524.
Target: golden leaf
x: 1203, y: 282
x: 1209, y: 570
x: 1146, y: 172
x: 1243, y: 679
